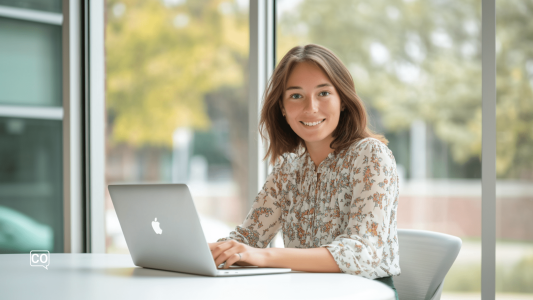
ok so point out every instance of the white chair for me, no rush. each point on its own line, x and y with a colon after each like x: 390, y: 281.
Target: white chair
x: 425, y: 258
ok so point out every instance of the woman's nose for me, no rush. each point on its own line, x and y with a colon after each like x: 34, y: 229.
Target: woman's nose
x: 311, y: 105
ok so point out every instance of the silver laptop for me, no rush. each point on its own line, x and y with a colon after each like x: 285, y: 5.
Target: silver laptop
x: 163, y: 231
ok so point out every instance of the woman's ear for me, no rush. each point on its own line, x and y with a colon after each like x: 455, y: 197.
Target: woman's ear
x: 282, y: 109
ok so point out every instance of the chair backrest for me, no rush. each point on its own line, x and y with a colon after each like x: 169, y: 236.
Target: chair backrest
x: 425, y: 258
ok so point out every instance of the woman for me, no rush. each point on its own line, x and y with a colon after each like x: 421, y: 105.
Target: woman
x: 334, y: 188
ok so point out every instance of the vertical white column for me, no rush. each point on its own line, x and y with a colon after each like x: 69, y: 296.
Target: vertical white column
x: 261, y: 65
x: 95, y: 124
x: 418, y: 150
x: 73, y: 200
x: 488, y: 152
x: 181, y: 152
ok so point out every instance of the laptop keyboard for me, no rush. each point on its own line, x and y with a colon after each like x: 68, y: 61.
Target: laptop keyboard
x: 222, y: 265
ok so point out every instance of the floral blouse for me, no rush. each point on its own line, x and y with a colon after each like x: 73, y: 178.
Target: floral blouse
x: 350, y: 208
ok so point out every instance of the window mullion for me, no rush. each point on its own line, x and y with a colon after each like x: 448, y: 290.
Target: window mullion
x: 73, y: 200
x: 488, y: 163
x: 261, y: 65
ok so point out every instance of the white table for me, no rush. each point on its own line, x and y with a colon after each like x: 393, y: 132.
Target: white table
x: 112, y: 276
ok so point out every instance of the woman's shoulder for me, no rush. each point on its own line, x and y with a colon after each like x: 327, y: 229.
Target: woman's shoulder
x: 369, y: 146
x: 367, y: 142
x: 287, y: 162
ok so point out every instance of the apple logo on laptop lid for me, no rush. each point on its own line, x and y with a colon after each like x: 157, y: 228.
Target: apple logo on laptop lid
x: 155, y: 226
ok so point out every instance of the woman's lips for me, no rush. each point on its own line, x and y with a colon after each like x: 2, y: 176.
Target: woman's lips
x: 312, y: 124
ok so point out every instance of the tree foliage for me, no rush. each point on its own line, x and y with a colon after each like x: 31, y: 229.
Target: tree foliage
x: 422, y: 60
x: 162, y: 58
x: 167, y: 60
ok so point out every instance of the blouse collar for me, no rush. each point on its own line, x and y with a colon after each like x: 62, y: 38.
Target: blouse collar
x: 321, y: 166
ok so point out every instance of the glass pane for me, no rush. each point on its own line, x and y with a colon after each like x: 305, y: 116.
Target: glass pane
x: 30, y: 63
x: 417, y: 67
x: 44, y: 5
x: 177, y: 104
x: 31, y: 194
x: 514, y: 159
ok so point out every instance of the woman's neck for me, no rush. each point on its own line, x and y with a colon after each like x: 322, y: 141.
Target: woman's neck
x: 319, y: 150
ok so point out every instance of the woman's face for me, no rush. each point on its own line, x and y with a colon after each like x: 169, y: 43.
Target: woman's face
x: 311, y: 105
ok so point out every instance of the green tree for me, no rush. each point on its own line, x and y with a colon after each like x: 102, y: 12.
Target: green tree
x: 514, y: 87
x: 162, y: 60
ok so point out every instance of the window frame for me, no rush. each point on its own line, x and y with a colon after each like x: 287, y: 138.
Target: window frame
x: 83, y: 126
x: 94, y: 123
x: 488, y: 149
x: 73, y: 201
x: 69, y: 114
x: 261, y: 65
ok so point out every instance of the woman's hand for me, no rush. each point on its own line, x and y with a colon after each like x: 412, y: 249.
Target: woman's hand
x: 227, y: 252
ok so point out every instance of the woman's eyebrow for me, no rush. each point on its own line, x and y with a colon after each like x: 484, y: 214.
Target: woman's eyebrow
x: 299, y: 88
x: 323, y: 85
x: 293, y: 88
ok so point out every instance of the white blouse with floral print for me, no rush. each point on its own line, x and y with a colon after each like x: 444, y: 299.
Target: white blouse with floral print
x: 350, y: 208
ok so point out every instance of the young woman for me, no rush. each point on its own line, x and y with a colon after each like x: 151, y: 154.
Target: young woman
x: 334, y: 188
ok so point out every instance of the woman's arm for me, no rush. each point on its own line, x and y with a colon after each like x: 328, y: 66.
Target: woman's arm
x: 371, y: 224
x: 258, y: 229
x: 264, y: 218
x: 317, y: 260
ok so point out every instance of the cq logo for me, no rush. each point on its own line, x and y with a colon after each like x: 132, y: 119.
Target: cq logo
x: 40, y: 258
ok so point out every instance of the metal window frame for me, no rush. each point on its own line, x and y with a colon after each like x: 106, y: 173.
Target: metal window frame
x: 31, y: 15
x: 73, y: 200
x: 261, y: 64
x: 71, y: 115
x: 32, y: 112
x: 94, y: 121
x: 83, y: 126
x: 488, y: 150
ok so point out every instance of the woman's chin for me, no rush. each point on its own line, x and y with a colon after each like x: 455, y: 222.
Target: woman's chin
x: 315, y: 138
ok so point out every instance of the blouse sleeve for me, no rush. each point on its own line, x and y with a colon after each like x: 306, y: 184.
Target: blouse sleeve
x: 359, y: 249
x: 264, y: 219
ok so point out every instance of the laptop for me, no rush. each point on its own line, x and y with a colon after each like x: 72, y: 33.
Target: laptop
x: 163, y: 231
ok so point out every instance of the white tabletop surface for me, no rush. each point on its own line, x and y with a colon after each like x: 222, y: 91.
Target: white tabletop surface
x: 113, y: 276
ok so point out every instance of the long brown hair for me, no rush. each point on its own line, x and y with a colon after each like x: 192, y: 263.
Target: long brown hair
x: 352, y: 121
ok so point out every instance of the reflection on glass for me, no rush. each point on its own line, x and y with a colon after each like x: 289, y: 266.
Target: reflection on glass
x: 514, y: 158
x: 30, y: 63
x: 417, y: 67
x: 31, y: 197
x: 42, y: 5
x: 176, y: 104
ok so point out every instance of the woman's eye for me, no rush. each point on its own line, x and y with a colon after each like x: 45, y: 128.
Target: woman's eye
x: 324, y: 93
x: 295, y: 96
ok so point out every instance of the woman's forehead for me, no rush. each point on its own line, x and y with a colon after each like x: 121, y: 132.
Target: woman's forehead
x: 306, y: 73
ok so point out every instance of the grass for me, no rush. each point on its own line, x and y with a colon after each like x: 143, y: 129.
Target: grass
x: 517, y: 278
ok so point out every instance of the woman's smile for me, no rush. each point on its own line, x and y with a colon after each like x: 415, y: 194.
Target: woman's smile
x: 313, y: 124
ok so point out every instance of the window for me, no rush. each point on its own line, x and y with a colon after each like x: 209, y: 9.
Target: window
x: 417, y: 67
x: 514, y: 163
x: 177, y: 106
x: 31, y: 114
